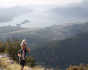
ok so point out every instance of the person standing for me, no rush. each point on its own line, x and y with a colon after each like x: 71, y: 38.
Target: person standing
x: 22, y: 53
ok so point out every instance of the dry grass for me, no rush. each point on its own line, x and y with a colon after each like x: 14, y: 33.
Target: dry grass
x: 76, y: 68
x: 4, y: 63
x: 38, y: 68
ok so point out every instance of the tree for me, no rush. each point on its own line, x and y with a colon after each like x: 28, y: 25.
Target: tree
x: 12, y: 48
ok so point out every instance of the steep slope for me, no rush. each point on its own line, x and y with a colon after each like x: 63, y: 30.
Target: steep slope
x: 7, y: 64
x: 72, y: 51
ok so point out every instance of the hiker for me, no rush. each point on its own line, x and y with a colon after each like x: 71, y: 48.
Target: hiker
x: 22, y: 53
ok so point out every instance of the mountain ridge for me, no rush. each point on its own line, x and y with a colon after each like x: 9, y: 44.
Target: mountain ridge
x: 38, y: 35
x: 68, y: 11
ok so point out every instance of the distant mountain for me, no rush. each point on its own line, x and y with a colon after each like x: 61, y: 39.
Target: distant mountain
x: 7, y: 14
x: 25, y: 21
x: 41, y: 35
x: 9, y: 28
x: 71, y: 51
x: 44, y: 15
x: 79, y: 10
x: 84, y: 4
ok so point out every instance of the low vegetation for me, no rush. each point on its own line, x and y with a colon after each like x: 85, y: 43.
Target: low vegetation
x: 75, y: 67
x: 8, y: 64
x: 11, y: 48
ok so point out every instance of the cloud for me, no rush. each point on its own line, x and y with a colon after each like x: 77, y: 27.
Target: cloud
x: 37, y: 2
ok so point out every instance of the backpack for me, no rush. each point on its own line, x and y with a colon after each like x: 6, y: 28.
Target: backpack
x: 25, y: 52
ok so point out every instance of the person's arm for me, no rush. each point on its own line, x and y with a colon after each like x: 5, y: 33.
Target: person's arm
x: 28, y: 49
x: 19, y: 55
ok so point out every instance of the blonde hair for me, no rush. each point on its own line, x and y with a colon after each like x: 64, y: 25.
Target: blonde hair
x: 22, y: 43
x: 24, y: 40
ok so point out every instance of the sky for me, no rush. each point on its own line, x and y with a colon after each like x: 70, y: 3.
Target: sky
x: 9, y: 3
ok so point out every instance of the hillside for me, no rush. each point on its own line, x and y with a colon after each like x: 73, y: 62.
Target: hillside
x: 41, y: 35
x: 7, y: 64
x: 59, y: 46
x: 71, y: 51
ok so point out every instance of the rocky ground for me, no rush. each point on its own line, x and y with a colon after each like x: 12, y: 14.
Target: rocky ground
x: 7, y: 64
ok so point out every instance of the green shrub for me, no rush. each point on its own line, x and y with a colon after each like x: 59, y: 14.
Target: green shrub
x: 30, y: 61
x: 12, y: 48
x: 2, y: 47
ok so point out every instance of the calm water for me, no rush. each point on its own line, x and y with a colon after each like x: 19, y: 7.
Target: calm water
x: 41, y: 18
